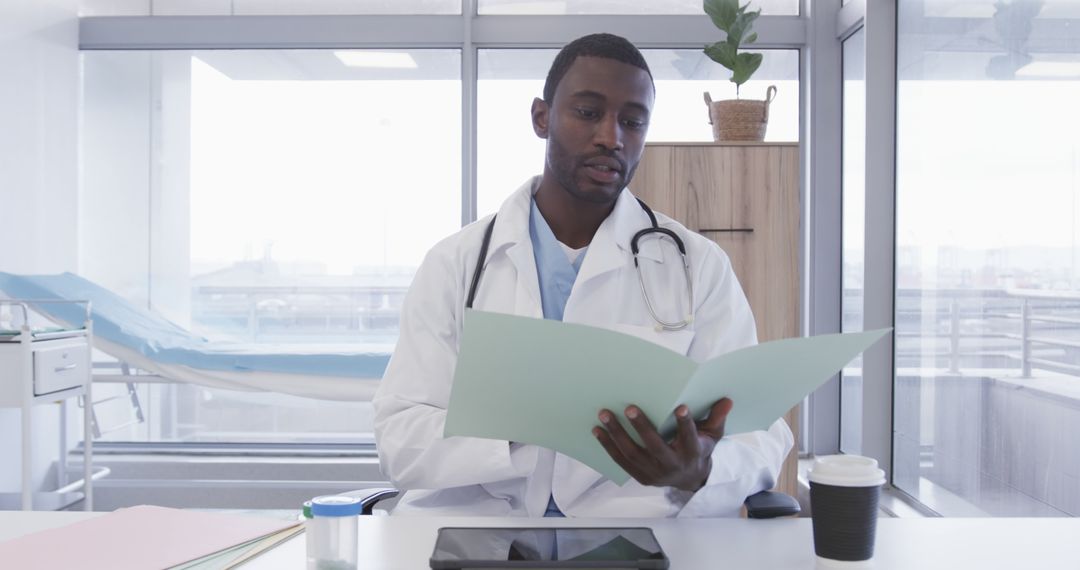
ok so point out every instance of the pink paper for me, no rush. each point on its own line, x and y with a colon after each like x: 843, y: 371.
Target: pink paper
x: 136, y: 538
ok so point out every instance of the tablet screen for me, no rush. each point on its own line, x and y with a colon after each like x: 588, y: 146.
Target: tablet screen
x: 548, y: 547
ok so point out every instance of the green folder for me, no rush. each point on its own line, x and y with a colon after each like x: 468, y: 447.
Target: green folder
x: 544, y: 382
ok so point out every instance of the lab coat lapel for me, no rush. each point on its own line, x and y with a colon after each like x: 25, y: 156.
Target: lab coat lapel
x: 528, y: 283
x: 512, y: 234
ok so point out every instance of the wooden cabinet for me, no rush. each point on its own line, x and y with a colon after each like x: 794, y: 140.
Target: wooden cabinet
x: 745, y: 197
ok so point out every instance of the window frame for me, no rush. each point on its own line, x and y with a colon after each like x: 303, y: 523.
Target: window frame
x: 878, y: 20
x: 879, y: 372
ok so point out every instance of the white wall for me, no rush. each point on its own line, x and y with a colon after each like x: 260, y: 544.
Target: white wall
x: 39, y: 100
x: 39, y: 97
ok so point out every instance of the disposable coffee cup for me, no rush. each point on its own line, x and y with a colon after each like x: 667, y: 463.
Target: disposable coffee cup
x: 844, y: 491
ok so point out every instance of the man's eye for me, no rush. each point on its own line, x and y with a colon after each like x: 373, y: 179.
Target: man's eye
x: 587, y: 113
x: 635, y: 123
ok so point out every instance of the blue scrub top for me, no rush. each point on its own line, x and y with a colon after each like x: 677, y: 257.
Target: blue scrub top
x: 555, y: 271
x: 556, y: 275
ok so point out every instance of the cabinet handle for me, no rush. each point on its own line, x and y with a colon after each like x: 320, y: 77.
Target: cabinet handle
x: 63, y: 368
x: 728, y: 230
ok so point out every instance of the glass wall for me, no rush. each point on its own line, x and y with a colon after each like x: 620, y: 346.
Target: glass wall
x: 268, y: 197
x: 988, y: 258
x: 284, y: 197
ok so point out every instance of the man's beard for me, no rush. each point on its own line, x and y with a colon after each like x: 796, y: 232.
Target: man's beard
x: 567, y: 176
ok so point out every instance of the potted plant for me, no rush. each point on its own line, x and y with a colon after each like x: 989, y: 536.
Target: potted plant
x: 736, y: 119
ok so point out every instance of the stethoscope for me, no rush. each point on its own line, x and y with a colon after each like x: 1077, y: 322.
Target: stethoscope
x: 655, y: 229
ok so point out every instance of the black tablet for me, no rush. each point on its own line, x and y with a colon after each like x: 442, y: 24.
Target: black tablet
x: 533, y: 547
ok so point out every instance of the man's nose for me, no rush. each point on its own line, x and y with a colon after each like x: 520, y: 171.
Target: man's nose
x: 608, y: 134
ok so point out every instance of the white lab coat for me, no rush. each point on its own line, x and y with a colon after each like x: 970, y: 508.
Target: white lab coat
x: 462, y: 475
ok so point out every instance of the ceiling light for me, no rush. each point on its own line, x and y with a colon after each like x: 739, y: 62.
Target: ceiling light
x: 383, y: 59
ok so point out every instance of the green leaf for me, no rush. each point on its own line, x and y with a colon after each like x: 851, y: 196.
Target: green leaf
x: 750, y: 16
x: 744, y: 22
x: 737, y: 23
x: 735, y: 34
x: 746, y: 7
x: 745, y: 66
x: 722, y: 53
x: 722, y: 12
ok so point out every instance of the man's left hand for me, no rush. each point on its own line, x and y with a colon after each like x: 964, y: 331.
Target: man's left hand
x: 684, y: 463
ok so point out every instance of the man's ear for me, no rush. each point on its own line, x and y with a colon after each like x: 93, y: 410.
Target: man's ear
x: 540, y: 115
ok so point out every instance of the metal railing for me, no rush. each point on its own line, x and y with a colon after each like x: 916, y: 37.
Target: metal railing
x: 304, y: 313
x: 954, y: 329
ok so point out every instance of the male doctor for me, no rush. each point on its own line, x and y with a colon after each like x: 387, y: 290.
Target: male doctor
x: 559, y: 248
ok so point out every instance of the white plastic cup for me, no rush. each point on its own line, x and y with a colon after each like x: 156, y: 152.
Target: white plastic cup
x: 332, y: 533
x: 844, y: 491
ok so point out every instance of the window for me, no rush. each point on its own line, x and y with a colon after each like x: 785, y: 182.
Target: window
x: 509, y: 151
x: 259, y: 195
x: 282, y: 207
x: 988, y: 203
x: 854, y: 216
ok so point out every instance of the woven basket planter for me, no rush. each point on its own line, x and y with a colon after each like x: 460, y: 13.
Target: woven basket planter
x: 740, y: 119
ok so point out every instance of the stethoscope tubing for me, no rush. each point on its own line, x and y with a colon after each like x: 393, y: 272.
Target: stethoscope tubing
x: 481, y: 262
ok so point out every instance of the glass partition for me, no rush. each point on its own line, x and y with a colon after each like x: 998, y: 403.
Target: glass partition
x: 988, y: 258
x: 276, y: 197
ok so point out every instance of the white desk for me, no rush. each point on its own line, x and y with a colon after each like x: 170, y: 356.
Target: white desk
x: 902, y: 544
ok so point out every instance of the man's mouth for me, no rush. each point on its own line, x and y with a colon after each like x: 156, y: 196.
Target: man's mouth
x: 604, y: 169
x: 602, y: 173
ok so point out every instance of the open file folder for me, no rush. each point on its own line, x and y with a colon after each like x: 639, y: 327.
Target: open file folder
x: 148, y: 537
x: 544, y: 382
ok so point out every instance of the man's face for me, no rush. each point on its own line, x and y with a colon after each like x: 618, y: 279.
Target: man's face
x: 595, y: 127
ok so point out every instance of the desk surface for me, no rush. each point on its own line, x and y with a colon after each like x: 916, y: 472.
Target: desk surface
x: 945, y: 543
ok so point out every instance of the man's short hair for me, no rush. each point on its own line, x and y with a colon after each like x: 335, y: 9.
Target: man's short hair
x: 607, y: 46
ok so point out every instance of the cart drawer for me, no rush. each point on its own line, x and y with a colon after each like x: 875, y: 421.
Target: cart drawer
x: 60, y: 367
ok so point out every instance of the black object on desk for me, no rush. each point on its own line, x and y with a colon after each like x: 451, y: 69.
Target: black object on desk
x: 546, y: 547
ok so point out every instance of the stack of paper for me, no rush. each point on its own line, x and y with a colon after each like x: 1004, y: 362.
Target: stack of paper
x: 544, y: 382
x: 148, y: 537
